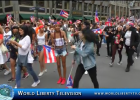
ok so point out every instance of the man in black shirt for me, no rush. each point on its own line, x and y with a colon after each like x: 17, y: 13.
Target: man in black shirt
x: 109, y: 30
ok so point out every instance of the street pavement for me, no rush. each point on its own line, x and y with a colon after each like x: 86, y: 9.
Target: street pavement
x: 108, y: 77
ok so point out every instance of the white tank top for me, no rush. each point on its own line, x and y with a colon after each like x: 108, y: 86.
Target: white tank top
x: 59, y: 42
x: 41, y: 39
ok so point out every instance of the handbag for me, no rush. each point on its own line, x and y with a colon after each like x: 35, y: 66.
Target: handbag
x: 3, y: 48
x: 22, y: 60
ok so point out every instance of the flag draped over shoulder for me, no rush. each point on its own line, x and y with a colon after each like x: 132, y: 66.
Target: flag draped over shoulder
x: 49, y: 54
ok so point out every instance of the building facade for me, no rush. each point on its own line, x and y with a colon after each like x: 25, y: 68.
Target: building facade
x: 135, y: 9
x: 77, y: 9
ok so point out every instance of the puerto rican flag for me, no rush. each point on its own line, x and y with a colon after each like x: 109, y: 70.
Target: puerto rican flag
x: 69, y: 82
x: 78, y: 21
x: 9, y: 17
x: 49, y: 54
x: 32, y: 18
x: 99, y: 31
x: 64, y: 14
x: 96, y: 17
x: 41, y: 22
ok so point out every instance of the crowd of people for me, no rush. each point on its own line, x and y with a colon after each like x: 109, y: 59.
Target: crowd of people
x: 25, y: 41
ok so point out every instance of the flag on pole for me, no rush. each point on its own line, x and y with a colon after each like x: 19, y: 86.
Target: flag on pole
x: 9, y: 17
x: 41, y: 22
x: 96, y: 17
x: 69, y: 83
x: 32, y: 18
x: 49, y: 54
x: 64, y: 14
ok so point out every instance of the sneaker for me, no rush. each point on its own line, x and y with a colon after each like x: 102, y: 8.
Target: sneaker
x: 40, y: 74
x: 59, y: 81
x: 119, y: 63
x: 63, y: 81
x: 86, y: 72
x: 15, y: 87
x: 35, y: 83
x: 26, y: 75
x: 136, y: 57
x: 11, y: 79
x: 7, y: 72
x: 45, y: 70
x: 111, y: 64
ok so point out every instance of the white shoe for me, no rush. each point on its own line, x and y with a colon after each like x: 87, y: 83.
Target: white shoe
x: 136, y: 57
x: 7, y: 72
x: 45, y: 70
x: 41, y: 73
x: 119, y: 63
x: 111, y: 64
x: 86, y: 72
x: 15, y: 86
x: 35, y: 83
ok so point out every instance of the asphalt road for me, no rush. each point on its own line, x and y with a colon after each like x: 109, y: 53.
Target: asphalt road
x: 108, y: 77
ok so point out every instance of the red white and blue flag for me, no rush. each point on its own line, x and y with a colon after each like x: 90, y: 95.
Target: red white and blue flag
x: 49, y: 54
x: 41, y: 22
x: 32, y: 18
x: 108, y: 23
x: 9, y: 17
x: 69, y: 82
x: 96, y: 17
x: 99, y: 31
x: 78, y: 21
x: 64, y: 14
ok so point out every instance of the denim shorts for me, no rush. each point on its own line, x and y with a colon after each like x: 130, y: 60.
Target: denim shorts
x: 60, y: 52
x: 39, y: 48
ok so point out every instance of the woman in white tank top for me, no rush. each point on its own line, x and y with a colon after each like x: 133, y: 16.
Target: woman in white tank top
x: 41, y: 38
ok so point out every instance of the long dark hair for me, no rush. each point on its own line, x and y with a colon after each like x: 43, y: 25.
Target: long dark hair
x: 25, y: 29
x: 90, y: 36
x: 30, y: 32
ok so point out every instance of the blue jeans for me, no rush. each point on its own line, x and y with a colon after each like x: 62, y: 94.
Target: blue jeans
x: 30, y: 70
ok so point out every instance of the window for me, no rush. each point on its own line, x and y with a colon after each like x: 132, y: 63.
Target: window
x: 59, y: 4
x: 26, y: 2
x: 98, y: 9
x: 47, y: 3
x: 9, y: 9
x: 105, y: 9
x: 74, y: 5
x: 85, y: 6
x: 80, y: 6
x: 7, y: 2
x: 53, y: 4
x: 90, y: 7
x: 40, y: 3
x: 102, y: 9
x: 66, y: 4
x: 94, y: 8
x: 0, y: 3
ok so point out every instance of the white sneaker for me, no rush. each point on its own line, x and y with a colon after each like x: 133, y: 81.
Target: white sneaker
x: 86, y: 72
x: 119, y: 63
x: 136, y: 57
x: 45, y: 70
x: 111, y: 64
x: 41, y: 73
x: 35, y: 83
x: 7, y: 72
x: 15, y: 86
